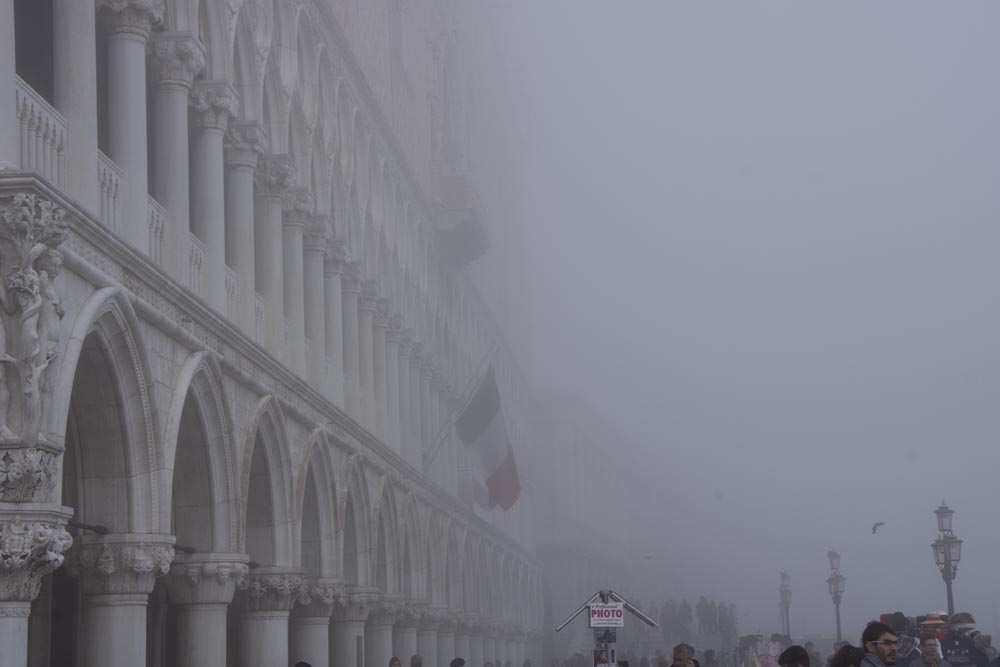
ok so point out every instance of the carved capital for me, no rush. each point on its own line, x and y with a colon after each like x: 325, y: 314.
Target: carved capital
x: 275, y: 175
x: 119, y: 564
x: 178, y: 57
x: 338, y: 254
x: 354, y: 607
x: 270, y: 591
x: 405, y: 343
x: 32, y: 543
x: 386, y: 610
x: 244, y: 143
x: 133, y: 17
x: 297, y: 208
x: 318, y: 598
x: 383, y: 311
x: 352, y: 277
x: 214, y: 102
x: 206, y: 578
x: 317, y: 238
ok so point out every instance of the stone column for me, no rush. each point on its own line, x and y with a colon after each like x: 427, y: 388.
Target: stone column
x: 267, y: 598
x: 392, y: 338
x: 298, y: 213
x: 462, y: 643
x: 404, y: 635
x: 380, y: 326
x: 405, y: 422
x: 178, y: 58
x: 201, y: 586
x: 416, y: 405
x: 32, y: 542
x: 378, y: 632
x: 427, y: 410
x: 272, y: 181
x: 427, y: 640
x: 314, y: 248
x: 497, y: 644
x: 214, y: 102
x: 352, y: 365
x: 129, y: 28
x: 244, y: 144
x: 476, y: 658
x: 366, y: 337
x: 446, y: 642
x: 310, y: 627
x: 74, y: 68
x: 333, y: 271
x: 347, y: 630
x: 489, y: 649
x: 117, y: 573
x: 10, y: 155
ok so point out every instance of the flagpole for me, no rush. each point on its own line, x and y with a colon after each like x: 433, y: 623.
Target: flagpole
x: 466, y: 395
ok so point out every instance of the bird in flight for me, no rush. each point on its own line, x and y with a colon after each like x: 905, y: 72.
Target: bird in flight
x: 877, y: 526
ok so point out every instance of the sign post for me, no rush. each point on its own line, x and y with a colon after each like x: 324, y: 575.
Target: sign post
x: 606, y: 612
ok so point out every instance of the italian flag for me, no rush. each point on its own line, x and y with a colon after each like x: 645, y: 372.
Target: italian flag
x: 482, y: 429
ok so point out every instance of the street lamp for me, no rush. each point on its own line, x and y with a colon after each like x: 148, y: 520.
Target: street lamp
x: 785, y: 593
x: 835, y: 582
x: 947, y: 551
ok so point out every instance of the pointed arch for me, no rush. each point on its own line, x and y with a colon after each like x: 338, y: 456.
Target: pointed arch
x: 200, y: 380
x: 353, y: 510
x: 318, y: 553
x: 384, y: 525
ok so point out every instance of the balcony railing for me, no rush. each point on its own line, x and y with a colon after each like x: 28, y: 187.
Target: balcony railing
x: 109, y: 181
x: 157, y: 228
x: 232, y: 295
x: 42, y: 137
x: 196, y: 262
x: 258, y: 319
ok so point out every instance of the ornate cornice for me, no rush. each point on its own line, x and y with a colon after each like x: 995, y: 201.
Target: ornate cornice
x: 178, y: 56
x: 120, y: 564
x: 215, y: 103
x: 206, y: 578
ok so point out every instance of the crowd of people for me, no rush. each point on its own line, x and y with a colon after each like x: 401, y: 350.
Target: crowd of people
x: 707, y: 621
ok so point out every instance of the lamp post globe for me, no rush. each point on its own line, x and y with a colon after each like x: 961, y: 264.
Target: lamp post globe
x: 834, y: 560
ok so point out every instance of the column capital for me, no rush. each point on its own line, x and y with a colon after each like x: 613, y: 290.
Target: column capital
x: 409, y: 614
x: 338, y: 254
x: 383, y: 311
x: 206, y: 578
x: 405, y: 342
x: 386, y: 610
x: 317, y: 238
x: 274, y: 176
x: 318, y: 598
x: 297, y: 207
x: 244, y: 143
x: 352, y: 277
x: 440, y: 383
x: 32, y: 541
x: 354, y: 606
x: 369, y: 296
x: 272, y: 590
x: 123, y: 563
x: 133, y: 17
x: 178, y: 56
x: 416, y: 354
x: 215, y: 102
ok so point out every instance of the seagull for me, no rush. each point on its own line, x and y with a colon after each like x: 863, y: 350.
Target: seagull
x: 877, y: 526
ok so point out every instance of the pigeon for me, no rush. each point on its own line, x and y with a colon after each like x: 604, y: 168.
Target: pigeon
x: 877, y: 526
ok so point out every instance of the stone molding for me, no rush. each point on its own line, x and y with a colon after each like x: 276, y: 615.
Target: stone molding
x: 134, y: 17
x: 244, y: 143
x: 206, y: 578
x: 33, y: 539
x: 179, y: 57
x: 274, y: 175
x: 318, y: 598
x: 121, y: 564
x: 270, y: 591
x: 215, y: 103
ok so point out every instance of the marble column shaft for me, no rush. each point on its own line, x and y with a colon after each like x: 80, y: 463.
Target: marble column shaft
x: 10, y: 154
x: 352, y: 365
x: 266, y: 600
x: 380, y: 327
x: 416, y: 406
x: 309, y: 631
x: 476, y: 658
x: 178, y: 58
x: 298, y: 213
x: 272, y: 181
x: 378, y: 640
x: 347, y: 631
x: 366, y: 363
x: 74, y: 70
x: 129, y: 29
x: 404, y: 640
x: 244, y: 145
x: 214, y: 102
x: 405, y: 420
x: 462, y: 644
x: 333, y: 270
x: 392, y: 337
x: 314, y: 248
x: 446, y: 644
x: 427, y: 645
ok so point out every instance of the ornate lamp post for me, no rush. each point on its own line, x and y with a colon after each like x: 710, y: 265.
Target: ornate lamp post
x: 836, y: 584
x: 947, y: 551
x: 785, y: 593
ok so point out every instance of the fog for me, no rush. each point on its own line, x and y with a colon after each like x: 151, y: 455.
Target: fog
x: 762, y: 241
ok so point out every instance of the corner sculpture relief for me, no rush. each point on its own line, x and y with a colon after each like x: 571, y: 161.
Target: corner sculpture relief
x: 31, y: 230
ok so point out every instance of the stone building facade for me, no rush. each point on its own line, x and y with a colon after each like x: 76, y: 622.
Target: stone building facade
x: 237, y: 311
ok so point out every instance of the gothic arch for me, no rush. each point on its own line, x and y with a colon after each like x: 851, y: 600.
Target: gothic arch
x: 353, y: 509
x: 316, y: 474
x: 200, y: 379
x: 105, y: 339
x: 384, y: 523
